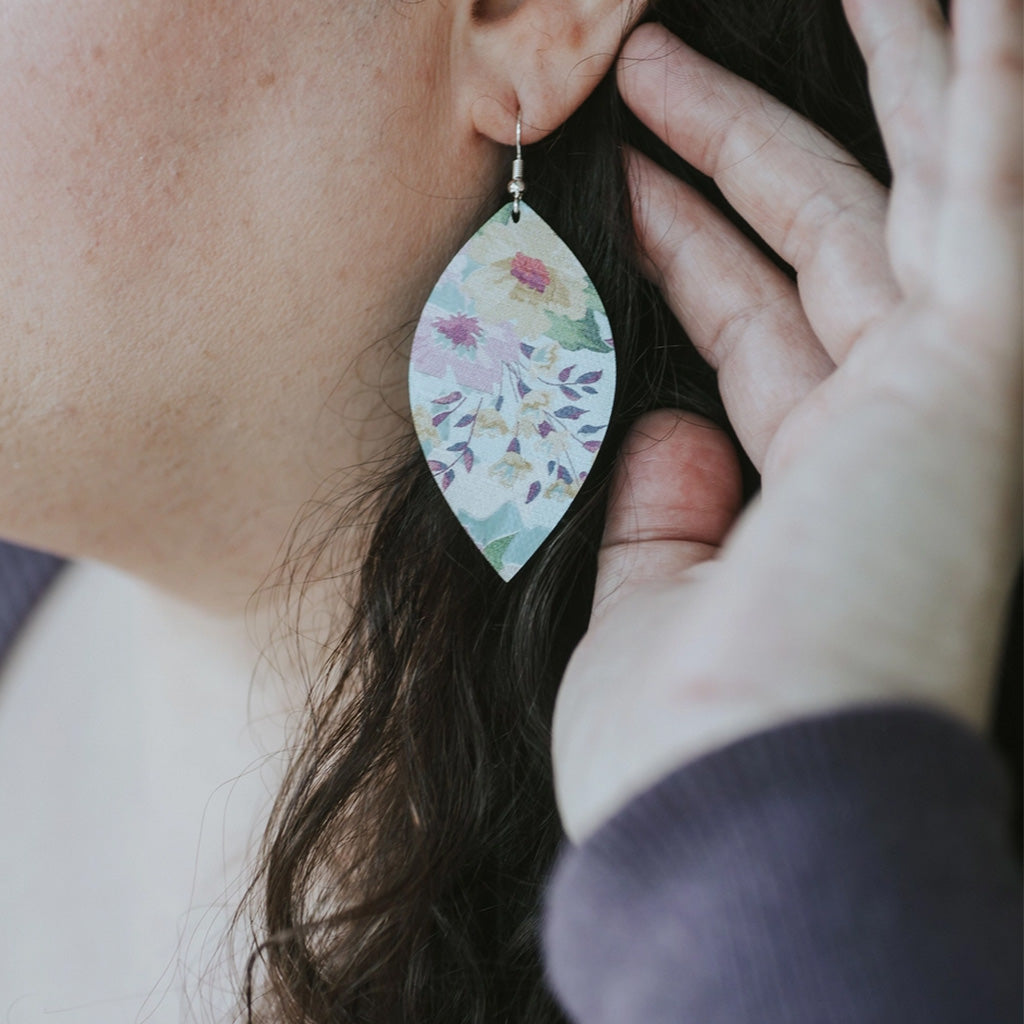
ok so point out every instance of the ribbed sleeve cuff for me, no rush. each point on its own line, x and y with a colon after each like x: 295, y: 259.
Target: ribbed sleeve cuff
x: 843, y: 869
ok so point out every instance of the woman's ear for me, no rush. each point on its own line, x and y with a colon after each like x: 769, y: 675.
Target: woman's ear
x: 541, y: 56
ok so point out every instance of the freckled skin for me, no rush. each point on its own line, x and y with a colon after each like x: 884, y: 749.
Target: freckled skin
x: 208, y: 214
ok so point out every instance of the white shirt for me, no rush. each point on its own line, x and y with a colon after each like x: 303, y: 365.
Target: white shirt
x: 137, y: 765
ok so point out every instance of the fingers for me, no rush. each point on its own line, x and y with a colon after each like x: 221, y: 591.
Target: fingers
x: 675, y: 496
x: 978, y: 251
x: 740, y: 310
x: 804, y: 194
x: 906, y: 46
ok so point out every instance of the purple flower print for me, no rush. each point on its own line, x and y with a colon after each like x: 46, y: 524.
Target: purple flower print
x: 475, y: 354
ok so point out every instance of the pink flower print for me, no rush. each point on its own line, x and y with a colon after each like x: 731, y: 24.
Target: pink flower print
x: 529, y: 271
x: 459, y: 329
x: 475, y: 355
x: 524, y: 274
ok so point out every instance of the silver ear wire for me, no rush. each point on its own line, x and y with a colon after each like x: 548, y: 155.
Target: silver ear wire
x: 517, y: 186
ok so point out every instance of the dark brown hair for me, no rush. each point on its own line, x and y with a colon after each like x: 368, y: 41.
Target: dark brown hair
x: 406, y: 856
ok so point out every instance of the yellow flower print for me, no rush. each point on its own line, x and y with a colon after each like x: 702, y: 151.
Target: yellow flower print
x: 556, y: 442
x: 491, y: 422
x: 421, y: 417
x: 511, y: 468
x: 536, y: 399
x: 561, y: 491
x: 540, y: 279
x: 545, y: 357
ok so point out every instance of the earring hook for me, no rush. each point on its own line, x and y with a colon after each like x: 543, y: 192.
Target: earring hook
x: 517, y: 186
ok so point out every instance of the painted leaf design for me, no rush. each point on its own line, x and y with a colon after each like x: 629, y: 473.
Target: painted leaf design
x: 569, y: 412
x: 512, y: 331
x: 578, y: 334
x: 495, y: 552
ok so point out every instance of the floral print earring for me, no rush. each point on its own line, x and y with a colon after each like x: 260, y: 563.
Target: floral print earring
x: 512, y: 380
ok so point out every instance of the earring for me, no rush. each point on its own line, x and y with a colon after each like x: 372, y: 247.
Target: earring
x: 512, y: 380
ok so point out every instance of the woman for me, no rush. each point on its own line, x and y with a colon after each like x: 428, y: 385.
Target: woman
x: 220, y: 225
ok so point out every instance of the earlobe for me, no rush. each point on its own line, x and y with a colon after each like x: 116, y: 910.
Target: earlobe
x: 543, y: 57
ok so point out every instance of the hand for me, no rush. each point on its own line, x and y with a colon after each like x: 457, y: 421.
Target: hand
x: 880, y: 398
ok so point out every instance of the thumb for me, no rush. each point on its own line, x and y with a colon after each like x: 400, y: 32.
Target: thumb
x: 676, y: 493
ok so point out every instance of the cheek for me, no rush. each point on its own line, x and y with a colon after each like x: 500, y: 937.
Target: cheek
x: 196, y: 193
x: 124, y: 127
x: 150, y: 144
x: 110, y: 118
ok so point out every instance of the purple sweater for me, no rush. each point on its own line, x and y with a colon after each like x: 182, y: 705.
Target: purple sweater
x: 854, y: 868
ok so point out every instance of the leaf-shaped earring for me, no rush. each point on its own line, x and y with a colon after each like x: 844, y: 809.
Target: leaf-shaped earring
x: 512, y: 380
